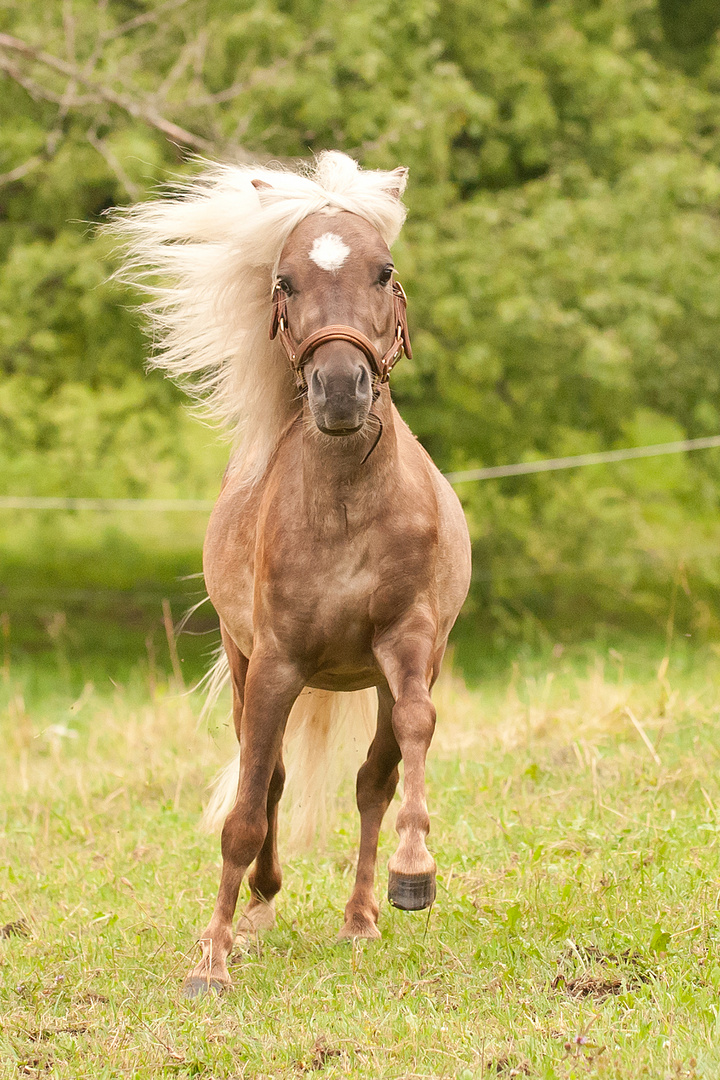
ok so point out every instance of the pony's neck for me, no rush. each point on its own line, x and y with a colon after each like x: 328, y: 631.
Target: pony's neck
x: 344, y: 478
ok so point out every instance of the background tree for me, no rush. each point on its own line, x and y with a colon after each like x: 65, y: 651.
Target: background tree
x: 561, y: 257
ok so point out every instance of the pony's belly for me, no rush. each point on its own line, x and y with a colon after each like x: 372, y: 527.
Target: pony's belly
x: 339, y: 656
x: 345, y: 681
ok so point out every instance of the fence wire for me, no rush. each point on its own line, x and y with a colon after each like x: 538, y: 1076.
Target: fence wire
x: 492, y: 472
x: 601, y: 458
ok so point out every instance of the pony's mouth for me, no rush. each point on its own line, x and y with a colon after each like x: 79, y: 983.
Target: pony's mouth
x: 340, y: 432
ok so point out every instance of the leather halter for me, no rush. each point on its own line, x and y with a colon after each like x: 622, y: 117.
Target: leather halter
x: 298, y: 355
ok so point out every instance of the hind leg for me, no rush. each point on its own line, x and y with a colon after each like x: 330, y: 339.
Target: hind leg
x: 376, y: 783
x: 265, y: 877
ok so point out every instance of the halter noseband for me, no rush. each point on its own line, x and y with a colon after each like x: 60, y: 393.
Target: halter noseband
x: 298, y: 355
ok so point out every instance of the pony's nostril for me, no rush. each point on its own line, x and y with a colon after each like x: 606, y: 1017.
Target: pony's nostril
x: 316, y: 384
x: 362, y: 381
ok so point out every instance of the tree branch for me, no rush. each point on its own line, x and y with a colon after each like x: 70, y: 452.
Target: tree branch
x: 34, y: 89
x: 51, y: 140
x: 138, y: 110
x: 142, y: 20
x: 132, y: 189
x: 21, y: 170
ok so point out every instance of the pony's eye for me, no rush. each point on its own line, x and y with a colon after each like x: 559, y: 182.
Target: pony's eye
x: 284, y: 285
x: 385, y: 275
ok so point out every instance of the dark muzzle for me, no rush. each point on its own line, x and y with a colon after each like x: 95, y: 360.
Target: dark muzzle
x: 339, y: 390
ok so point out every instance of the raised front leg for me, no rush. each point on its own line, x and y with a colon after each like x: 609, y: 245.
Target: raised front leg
x: 271, y: 686
x: 376, y: 783
x: 406, y: 655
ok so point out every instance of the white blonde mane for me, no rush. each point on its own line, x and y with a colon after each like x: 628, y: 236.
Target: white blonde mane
x: 205, y: 258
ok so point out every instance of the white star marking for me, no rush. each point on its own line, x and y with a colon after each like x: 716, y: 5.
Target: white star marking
x: 329, y: 252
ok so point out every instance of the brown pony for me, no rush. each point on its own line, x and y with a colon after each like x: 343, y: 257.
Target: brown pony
x: 337, y: 556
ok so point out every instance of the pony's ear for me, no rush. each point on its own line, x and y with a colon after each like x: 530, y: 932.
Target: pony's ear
x: 396, y: 182
x: 261, y: 185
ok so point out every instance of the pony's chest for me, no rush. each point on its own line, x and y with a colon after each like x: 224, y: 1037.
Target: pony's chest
x: 322, y: 589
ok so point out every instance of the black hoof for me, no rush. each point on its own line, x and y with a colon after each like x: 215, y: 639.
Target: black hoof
x: 195, y: 986
x: 411, y: 892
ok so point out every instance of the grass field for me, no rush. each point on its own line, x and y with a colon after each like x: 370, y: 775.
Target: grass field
x: 575, y: 819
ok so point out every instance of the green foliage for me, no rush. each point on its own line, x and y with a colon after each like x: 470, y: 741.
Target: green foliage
x: 561, y: 257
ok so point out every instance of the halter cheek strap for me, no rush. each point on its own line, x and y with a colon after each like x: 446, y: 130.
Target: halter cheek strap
x: 298, y: 355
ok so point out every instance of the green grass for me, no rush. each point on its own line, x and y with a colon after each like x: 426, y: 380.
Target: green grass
x: 575, y: 933
x: 83, y: 592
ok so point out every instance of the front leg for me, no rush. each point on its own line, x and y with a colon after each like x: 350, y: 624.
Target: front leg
x: 265, y: 878
x: 408, y: 657
x: 271, y: 687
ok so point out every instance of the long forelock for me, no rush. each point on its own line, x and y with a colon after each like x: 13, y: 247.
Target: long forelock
x: 204, y: 260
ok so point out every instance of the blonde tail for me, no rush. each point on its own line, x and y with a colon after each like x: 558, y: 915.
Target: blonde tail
x: 224, y: 785
x: 326, y: 739
x: 213, y: 682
